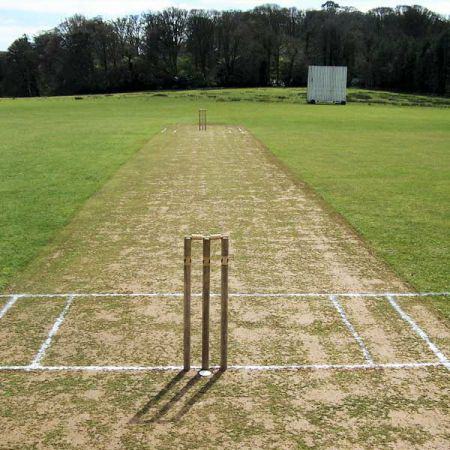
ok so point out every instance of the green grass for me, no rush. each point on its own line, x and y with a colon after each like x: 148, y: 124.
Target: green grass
x: 55, y: 154
x: 384, y: 167
x: 298, y: 95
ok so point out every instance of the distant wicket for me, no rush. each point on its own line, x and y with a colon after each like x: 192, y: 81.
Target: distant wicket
x: 202, y: 119
x: 206, y: 299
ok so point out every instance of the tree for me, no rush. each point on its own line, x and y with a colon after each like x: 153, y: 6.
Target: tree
x: 200, y: 40
x: 3, y: 65
x: 165, y: 36
x: 443, y: 62
x: 21, y: 69
x: 50, y: 55
x: 269, y: 21
x: 406, y: 48
x: 231, y: 34
x: 330, y: 6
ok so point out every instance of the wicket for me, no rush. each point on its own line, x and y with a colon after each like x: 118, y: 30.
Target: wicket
x: 206, y: 300
x: 202, y: 119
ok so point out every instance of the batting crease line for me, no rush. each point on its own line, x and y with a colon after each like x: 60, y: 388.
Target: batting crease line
x: 9, y: 304
x: 239, y: 294
x: 351, y: 328
x: 442, y: 358
x: 41, y: 353
x: 413, y: 365
x: 339, y: 366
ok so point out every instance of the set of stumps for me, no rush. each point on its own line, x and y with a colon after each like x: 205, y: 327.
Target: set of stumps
x: 206, y: 297
x: 202, y: 120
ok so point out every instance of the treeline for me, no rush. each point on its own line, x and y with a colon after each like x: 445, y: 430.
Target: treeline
x: 406, y: 48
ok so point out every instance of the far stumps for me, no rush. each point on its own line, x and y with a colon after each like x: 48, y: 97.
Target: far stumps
x: 202, y: 119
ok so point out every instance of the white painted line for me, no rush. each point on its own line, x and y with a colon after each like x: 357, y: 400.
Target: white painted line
x: 413, y: 365
x: 105, y: 294
x: 238, y: 294
x: 338, y: 366
x: 92, y: 368
x: 109, y: 294
x: 9, y: 304
x: 351, y: 328
x: 41, y: 353
x: 18, y: 368
x: 442, y: 358
x: 342, y: 294
x: 164, y: 130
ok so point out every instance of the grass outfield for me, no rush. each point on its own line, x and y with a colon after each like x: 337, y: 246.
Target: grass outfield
x: 385, y: 168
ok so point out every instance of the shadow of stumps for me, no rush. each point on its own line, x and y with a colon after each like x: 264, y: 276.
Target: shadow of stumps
x: 198, y: 395
x: 170, y: 386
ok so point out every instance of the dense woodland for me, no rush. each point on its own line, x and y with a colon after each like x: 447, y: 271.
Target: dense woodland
x: 406, y: 49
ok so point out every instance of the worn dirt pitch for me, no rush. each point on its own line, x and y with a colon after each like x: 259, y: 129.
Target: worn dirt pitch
x: 128, y: 238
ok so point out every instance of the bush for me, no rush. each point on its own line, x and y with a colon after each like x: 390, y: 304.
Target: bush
x: 360, y: 96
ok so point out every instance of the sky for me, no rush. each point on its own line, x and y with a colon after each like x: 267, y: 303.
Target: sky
x: 18, y: 17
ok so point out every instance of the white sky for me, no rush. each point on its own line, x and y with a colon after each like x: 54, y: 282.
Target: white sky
x: 31, y: 16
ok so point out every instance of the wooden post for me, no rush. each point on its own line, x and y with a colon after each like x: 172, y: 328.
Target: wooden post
x: 202, y: 119
x: 187, y: 302
x: 224, y: 305
x: 206, y: 298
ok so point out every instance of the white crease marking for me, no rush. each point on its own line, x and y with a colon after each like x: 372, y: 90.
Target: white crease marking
x: 338, y: 366
x: 9, y: 304
x: 413, y: 365
x: 350, y: 327
x: 442, y: 358
x: 238, y: 294
x: 41, y: 353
